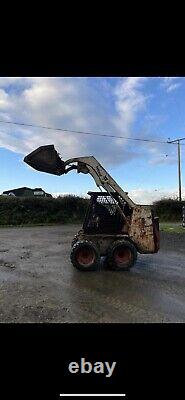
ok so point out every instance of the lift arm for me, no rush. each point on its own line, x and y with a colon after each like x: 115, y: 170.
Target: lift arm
x: 46, y: 159
x: 100, y: 175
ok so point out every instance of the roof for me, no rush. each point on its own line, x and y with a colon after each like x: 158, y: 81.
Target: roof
x: 22, y: 190
x: 18, y: 190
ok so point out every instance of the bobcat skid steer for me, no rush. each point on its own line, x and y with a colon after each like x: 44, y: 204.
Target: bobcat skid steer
x: 114, y: 226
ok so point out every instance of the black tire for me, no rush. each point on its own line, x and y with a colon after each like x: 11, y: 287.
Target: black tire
x: 85, y: 256
x: 74, y: 241
x: 121, y: 255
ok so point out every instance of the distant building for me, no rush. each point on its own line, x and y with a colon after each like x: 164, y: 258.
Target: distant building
x: 26, y: 192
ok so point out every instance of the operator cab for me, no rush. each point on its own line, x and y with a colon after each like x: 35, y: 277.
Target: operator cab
x: 103, y: 216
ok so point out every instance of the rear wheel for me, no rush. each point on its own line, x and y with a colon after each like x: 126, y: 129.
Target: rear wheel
x: 85, y: 256
x: 121, y: 255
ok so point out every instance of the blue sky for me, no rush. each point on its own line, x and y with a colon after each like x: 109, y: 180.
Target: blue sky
x: 150, y: 108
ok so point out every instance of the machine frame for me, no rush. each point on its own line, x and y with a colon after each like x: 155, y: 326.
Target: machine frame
x: 138, y: 226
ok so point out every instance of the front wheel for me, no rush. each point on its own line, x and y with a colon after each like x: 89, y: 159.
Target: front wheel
x: 74, y: 241
x: 121, y: 255
x: 85, y: 256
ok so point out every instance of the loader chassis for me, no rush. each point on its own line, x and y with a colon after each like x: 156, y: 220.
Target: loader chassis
x: 114, y: 225
x: 103, y: 225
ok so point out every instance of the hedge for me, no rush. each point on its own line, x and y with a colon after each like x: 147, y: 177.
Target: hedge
x: 25, y: 211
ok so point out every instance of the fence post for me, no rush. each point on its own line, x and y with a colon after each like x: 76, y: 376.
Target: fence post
x: 183, y: 216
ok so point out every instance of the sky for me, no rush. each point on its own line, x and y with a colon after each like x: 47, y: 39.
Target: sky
x: 145, y: 108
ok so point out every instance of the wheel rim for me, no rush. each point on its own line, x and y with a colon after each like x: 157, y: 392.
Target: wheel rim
x: 85, y: 256
x: 122, y: 255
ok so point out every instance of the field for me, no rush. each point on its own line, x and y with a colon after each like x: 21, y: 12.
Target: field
x: 39, y: 284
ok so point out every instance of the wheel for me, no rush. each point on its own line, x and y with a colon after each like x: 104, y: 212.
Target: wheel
x: 85, y: 256
x: 121, y: 255
x: 75, y: 240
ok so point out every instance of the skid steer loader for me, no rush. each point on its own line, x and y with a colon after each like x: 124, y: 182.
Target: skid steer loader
x: 114, y: 226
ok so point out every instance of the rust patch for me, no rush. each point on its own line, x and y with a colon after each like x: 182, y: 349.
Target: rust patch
x: 141, y: 229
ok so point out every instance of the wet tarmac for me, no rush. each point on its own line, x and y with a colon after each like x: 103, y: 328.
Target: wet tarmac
x: 39, y: 284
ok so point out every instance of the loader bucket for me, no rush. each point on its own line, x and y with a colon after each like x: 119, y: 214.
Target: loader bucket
x: 46, y: 159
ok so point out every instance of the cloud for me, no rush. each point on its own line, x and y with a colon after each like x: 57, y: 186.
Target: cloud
x: 170, y: 84
x: 61, y: 194
x: 57, y: 194
x: 139, y: 196
x: 148, y: 196
x: 129, y: 101
x: 76, y: 104
x: 165, y: 154
x: 4, y: 101
x: 172, y: 87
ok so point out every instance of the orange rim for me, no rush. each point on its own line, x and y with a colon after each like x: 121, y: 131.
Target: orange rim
x: 85, y: 256
x: 122, y: 255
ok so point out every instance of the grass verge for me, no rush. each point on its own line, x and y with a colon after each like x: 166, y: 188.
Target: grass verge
x: 171, y: 227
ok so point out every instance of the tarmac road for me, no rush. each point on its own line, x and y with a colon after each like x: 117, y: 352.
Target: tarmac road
x: 39, y: 284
